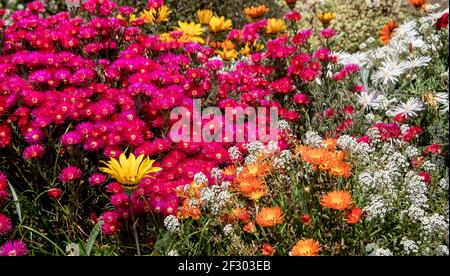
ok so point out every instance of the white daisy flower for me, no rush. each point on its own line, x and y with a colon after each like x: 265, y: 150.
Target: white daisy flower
x: 410, y: 108
x: 442, y: 98
x: 369, y: 100
x: 416, y: 62
x: 389, y: 71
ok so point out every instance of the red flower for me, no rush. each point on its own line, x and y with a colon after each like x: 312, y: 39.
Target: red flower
x: 432, y: 149
x: 442, y: 22
x: 354, y: 215
x: 305, y: 219
x: 267, y: 250
x: 426, y: 177
x: 54, y: 193
x: 349, y: 109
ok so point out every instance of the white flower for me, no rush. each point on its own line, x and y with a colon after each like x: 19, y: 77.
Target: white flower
x: 171, y: 223
x: 410, y: 246
x: 313, y: 139
x: 410, y: 108
x: 442, y: 98
x: 369, y: 100
x: 173, y: 253
x: 381, y: 252
x: 389, y: 71
x: 416, y: 62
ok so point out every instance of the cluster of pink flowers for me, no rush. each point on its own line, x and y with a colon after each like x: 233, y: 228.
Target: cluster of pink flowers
x: 12, y: 247
x: 115, y: 85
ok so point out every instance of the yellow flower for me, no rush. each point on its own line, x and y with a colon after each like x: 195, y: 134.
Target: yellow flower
x: 204, y: 16
x: 131, y: 19
x: 326, y: 17
x: 255, y: 12
x: 227, y: 54
x: 129, y: 171
x: 148, y: 16
x: 163, y: 14
x: 275, y: 25
x: 249, y: 49
x: 159, y: 15
x: 191, y: 32
x: 218, y: 24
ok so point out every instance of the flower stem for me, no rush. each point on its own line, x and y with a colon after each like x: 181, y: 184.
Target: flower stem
x: 135, y: 235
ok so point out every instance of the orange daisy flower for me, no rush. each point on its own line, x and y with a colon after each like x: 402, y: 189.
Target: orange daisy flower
x: 229, y: 170
x: 269, y: 217
x: 307, y: 247
x: 338, y: 200
x: 330, y: 143
x: 256, y: 169
x: 387, y: 31
x: 316, y: 156
x: 418, y: 4
x: 255, y: 12
x: 340, y: 168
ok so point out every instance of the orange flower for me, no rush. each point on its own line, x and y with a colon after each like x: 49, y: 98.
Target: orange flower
x: 229, y: 170
x: 307, y: 247
x: 256, y: 169
x: 330, y: 143
x: 267, y: 250
x: 354, y: 215
x: 249, y: 185
x: 387, y: 31
x: 189, y: 211
x: 255, y: 12
x: 418, y: 4
x: 269, y: 217
x: 249, y: 227
x: 316, y: 156
x: 340, y: 168
x: 241, y: 214
x: 338, y: 200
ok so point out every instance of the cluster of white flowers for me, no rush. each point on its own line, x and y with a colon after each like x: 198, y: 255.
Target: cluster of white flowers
x: 381, y: 252
x: 441, y: 250
x: 173, y: 253
x: 215, y: 197
x: 228, y: 230
x: 411, y: 47
x: 284, y: 125
x: 200, y: 178
x: 255, y: 147
x: 216, y: 173
x: 313, y: 139
x: 172, y: 224
x: 389, y: 186
x: 234, y: 153
x: 282, y: 160
x: 409, y: 246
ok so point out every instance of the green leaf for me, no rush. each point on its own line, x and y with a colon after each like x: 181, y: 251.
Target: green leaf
x: 93, y: 237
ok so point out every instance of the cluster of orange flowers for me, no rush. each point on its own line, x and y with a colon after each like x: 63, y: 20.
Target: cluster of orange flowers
x: 326, y: 159
x: 250, y: 182
x: 188, y: 196
x: 342, y: 200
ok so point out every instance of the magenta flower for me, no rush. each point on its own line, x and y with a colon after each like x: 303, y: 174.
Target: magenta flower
x: 70, y: 174
x: 5, y: 225
x: 13, y: 248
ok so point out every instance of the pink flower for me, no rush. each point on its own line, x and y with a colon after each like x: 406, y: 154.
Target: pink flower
x: 293, y: 16
x: 3, y: 181
x: 5, y: 225
x: 110, y: 228
x: 349, y: 109
x: 328, y: 113
x: 97, y: 179
x: 70, y: 174
x: 154, y: 4
x: 114, y: 188
x: 33, y: 151
x: 358, y: 88
x: 120, y: 200
x: 442, y: 22
x: 13, y: 248
x: 327, y: 33
x: 301, y: 98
